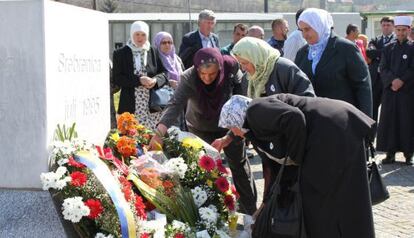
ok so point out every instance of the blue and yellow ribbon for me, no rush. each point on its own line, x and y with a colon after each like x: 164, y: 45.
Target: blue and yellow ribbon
x: 102, y: 172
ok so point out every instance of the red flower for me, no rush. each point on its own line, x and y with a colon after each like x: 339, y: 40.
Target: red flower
x: 95, y: 207
x: 145, y: 235
x: 78, y: 179
x: 234, y: 191
x: 140, y: 207
x: 126, y: 188
x: 132, y: 132
x: 74, y: 163
x: 168, y: 187
x: 222, y: 184
x: 149, y: 206
x: 229, y: 202
x: 220, y: 166
x: 179, y: 235
x: 207, y: 163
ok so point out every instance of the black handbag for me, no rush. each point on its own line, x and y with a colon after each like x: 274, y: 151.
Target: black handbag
x: 159, y: 98
x: 377, y: 188
x: 282, y: 214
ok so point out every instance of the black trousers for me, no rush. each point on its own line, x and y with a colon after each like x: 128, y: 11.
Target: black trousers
x: 376, y: 86
x: 240, y: 168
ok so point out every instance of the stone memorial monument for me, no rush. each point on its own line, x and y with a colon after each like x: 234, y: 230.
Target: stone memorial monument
x: 54, y: 69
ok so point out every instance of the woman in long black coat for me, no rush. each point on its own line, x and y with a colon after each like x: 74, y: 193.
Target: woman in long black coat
x: 137, y: 70
x: 334, y: 65
x: 325, y: 137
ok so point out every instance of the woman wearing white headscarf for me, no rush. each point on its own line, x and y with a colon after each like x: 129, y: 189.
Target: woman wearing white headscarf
x: 326, y: 138
x: 334, y: 65
x: 137, y: 68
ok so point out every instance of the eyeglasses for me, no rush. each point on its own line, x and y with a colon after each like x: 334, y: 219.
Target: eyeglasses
x: 166, y: 42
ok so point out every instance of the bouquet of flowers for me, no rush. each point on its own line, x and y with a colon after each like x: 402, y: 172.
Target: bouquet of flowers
x: 81, y: 196
x: 185, y: 181
x: 122, y: 189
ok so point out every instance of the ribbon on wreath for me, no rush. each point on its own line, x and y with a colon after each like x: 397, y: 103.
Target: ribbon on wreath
x: 104, y: 175
x: 106, y: 154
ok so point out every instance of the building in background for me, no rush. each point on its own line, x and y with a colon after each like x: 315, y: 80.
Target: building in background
x: 371, y: 20
x: 178, y: 24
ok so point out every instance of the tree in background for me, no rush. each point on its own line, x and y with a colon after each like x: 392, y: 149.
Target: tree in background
x: 108, y: 6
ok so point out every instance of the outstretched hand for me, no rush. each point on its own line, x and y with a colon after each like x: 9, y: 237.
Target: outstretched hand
x: 155, y: 143
x: 221, y: 143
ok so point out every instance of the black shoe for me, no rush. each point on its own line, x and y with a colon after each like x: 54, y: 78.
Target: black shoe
x: 409, y: 160
x: 389, y: 159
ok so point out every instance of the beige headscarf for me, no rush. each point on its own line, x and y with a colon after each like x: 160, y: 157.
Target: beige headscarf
x: 262, y: 56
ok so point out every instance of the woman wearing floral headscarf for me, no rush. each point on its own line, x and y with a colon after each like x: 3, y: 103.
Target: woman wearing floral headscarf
x: 137, y: 68
x: 333, y: 64
x: 204, y: 88
x: 326, y: 138
x: 268, y: 74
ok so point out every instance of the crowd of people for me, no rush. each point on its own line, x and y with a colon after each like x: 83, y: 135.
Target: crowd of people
x: 311, y: 98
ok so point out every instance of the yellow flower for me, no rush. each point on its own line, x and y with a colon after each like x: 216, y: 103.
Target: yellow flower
x: 158, y: 146
x: 233, y: 222
x: 214, y: 174
x: 194, y: 143
x: 115, y: 137
x: 140, y: 127
x: 209, y: 183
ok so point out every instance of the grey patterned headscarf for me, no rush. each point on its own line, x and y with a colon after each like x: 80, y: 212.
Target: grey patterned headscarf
x: 233, y: 112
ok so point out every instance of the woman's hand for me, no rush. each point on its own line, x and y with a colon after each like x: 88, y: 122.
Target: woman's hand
x: 173, y: 83
x: 221, y: 143
x: 147, y: 82
x: 156, y: 141
x: 257, y: 212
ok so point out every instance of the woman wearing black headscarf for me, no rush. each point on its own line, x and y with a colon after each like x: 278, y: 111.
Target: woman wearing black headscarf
x: 204, y: 88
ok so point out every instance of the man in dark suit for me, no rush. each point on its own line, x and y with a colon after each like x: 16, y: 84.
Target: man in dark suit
x: 201, y: 38
x: 374, y: 51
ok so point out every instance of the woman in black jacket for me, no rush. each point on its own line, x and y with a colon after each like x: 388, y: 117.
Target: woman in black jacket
x: 326, y: 138
x: 137, y: 69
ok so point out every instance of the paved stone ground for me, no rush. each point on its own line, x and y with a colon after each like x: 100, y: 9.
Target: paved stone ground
x: 392, y: 218
x: 28, y: 214
x: 32, y: 214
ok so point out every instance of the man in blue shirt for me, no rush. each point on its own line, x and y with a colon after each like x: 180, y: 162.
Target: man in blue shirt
x: 280, y: 28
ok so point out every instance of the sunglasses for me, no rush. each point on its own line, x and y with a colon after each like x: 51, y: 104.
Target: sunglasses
x: 166, y: 42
